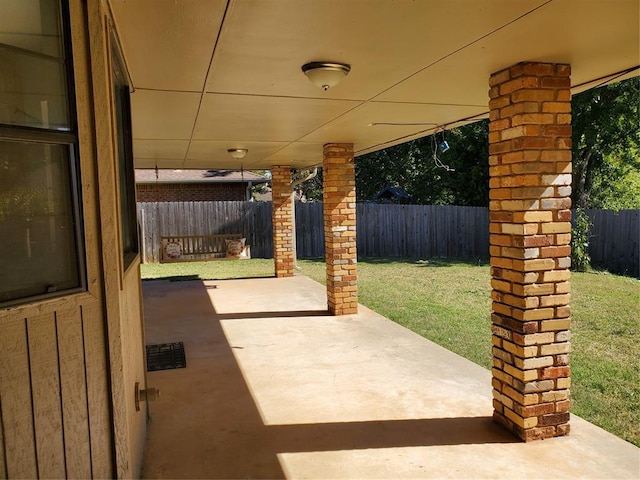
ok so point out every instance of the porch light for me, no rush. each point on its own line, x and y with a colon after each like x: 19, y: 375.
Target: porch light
x: 324, y: 74
x: 237, y: 153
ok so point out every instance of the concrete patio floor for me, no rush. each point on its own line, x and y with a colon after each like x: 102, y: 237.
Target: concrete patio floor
x: 276, y: 388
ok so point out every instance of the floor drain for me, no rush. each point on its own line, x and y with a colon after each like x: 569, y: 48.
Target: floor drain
x: 165, y: 356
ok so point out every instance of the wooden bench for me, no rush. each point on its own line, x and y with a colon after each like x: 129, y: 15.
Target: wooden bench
x: 194, y: 248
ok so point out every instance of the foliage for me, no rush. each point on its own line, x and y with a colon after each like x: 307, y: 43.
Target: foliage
x: 412, y: 167
x: 311, y: 189
x: 580, y: 259
x: 261, y: 188
x: 606, y: 146
x: 616, y: 187
x: 22, y: 202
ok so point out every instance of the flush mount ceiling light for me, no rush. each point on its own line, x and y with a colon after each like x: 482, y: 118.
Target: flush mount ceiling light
x: 325, y: 74
x: 237, y: 153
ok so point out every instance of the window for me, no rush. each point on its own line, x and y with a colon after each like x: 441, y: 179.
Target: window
x: 126, y: 174
x: 41, y: 245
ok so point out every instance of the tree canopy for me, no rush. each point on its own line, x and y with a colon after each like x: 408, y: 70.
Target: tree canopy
x: 412, y: 166
x: 606, y: 146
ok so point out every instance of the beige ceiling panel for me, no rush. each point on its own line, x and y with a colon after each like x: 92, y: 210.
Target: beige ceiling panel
x: 264, y: 119
x: 160, y: 163
x: 298, y: 155
x: 168, y: 44
x: 377, y: 122
x: 229, y: 164
x: 160, y: 149
x: 583, y: 33
x: 163, y: 115
x: 264, y: 43
x: 216, y: 151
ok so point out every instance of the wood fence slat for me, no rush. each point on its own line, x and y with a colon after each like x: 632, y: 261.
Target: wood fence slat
x: 45, y: 393
x: 74, y: 393
x: 614, y: 240
x: 15, y: 392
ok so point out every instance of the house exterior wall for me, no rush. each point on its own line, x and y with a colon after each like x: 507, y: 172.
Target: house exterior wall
x: 54, y: 382
x: 191, y: 192
x: 122, y: 285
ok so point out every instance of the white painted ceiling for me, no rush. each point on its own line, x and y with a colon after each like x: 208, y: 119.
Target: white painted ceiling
x: 209, y: 75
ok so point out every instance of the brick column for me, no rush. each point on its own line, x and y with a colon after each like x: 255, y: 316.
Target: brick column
x: 530, y: 225
x: 339, y: 196
x: 282, y: 220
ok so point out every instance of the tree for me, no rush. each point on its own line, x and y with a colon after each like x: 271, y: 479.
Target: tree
x: 606, y: 146
x: 312, y: 188
x: 413, y: 167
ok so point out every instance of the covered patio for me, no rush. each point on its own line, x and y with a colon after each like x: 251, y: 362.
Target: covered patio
x: 276, y: 387
x: 285, y: 377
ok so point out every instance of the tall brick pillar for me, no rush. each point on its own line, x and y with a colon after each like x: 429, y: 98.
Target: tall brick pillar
x: 282, y: 220
x: 338, y: 173
x: 530, y: 225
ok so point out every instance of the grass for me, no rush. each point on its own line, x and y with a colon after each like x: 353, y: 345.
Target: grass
x: 449, y: 302
x: 214, y: 270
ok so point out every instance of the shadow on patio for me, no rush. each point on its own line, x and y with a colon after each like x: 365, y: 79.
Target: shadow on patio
x: 275, y: 387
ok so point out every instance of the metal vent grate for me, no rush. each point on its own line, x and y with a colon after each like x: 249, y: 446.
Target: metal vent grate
x: 165, y: 356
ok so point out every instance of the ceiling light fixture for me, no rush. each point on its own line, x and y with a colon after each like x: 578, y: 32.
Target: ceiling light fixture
x: 325, y: 74
x: 237, y: 153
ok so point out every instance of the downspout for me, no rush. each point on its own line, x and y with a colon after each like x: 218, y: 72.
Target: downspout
x: 293, y: 215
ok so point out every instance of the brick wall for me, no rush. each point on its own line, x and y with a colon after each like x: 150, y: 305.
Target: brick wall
x: 530, y: 231
x: 282, y: 220
x: 190, y: 192
x: 339, y: 204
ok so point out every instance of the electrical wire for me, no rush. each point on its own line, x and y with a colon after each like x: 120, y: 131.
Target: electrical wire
x: 438, y: 162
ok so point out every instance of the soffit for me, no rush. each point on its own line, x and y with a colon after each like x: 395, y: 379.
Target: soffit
x: 220, y: 74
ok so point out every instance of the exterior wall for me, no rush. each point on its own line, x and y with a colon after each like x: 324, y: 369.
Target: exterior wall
x: 191, y: 192
x: 122, y: 286
x: 339, y: 198
x: 530, y: 225
x: 282, y: 220
x: 54, y: 381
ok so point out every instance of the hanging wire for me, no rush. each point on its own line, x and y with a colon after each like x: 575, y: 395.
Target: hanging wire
x: 439, y: 163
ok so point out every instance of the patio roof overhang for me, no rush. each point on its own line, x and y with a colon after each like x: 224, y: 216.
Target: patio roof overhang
x: 209, y: 75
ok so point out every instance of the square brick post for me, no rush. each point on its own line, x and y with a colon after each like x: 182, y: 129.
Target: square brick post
x: 530, y: 231
x: 339, y: 197
x: 282, y: 215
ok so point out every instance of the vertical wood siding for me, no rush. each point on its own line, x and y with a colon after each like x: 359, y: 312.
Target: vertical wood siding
x: 51, y: 426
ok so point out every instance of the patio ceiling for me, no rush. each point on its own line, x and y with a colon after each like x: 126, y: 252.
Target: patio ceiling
x: 209, y: 75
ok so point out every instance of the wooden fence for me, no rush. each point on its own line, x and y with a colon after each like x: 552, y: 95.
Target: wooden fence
x: 417, y: 231
x: 163, y: 219
x: 423, y: 231
x: 614, y: 241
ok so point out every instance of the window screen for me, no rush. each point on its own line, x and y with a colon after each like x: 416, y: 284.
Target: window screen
x: 41, y: 248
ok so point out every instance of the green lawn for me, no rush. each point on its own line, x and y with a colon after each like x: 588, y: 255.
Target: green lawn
x: 449, y: 302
